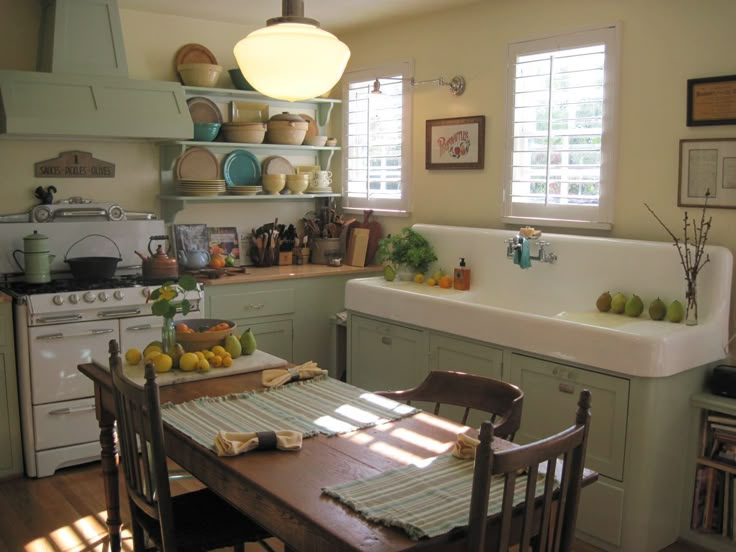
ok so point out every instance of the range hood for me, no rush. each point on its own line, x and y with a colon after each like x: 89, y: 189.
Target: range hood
x: 81, y: 89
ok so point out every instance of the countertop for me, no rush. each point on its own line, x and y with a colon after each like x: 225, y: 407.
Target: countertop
x: 289, y: 272
x: 4, y: 298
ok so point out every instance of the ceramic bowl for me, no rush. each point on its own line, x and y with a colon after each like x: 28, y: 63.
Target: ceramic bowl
x: 199, y: 74
x: 296, y: 186
x: 239, y: 82
x: 274, y: 183
x: 332, y: 142
x: 206, y: 132
x: 318, y: 141
x: 247, y: 133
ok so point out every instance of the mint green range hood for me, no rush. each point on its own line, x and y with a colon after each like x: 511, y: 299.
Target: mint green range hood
x: 82, y: 88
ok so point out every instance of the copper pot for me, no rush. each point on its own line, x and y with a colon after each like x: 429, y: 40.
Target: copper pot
x: 159, y: 267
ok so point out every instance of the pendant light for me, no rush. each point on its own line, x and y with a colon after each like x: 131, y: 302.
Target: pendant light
x: 291, y: 58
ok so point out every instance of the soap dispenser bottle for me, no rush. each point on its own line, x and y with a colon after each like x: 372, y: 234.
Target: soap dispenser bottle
x: 462, y: 276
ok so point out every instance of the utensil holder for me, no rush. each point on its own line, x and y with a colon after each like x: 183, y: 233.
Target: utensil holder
x: 324, y: 248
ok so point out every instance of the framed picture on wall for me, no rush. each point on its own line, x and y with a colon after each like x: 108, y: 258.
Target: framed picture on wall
x: 457, y: 143
x: 711, y: 101
x: 708, y: 166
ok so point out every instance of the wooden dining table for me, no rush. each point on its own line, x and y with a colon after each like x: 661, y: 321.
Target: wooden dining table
x: 282, y: 491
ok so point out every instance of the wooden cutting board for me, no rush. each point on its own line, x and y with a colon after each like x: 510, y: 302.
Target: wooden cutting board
x: 376, y: 233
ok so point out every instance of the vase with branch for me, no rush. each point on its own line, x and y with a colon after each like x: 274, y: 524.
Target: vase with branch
x: 691, y: 249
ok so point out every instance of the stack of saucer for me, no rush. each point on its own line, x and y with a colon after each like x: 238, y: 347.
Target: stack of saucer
x: 315, y: 189
x: 244, y: 190
x: 200, y: 187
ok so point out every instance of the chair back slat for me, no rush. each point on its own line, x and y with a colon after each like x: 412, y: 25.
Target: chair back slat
x: 564, y: 455
x: 501, y: 401
x: 141, y: 436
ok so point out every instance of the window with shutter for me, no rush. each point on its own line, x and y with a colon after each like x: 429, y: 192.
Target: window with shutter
x: 376, y: 139
x: 560, y: 131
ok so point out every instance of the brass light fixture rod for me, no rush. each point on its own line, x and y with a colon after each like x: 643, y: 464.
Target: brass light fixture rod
x: 292, y: 11
x: 456, y: 84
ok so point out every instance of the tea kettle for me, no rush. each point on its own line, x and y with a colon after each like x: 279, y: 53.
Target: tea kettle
x: 194, y: 260
x: 159, y: 267
x: 37, y: 259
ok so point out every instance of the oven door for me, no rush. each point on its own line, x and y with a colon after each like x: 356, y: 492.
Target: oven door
x: 139, y: 332
x: 56, y: 351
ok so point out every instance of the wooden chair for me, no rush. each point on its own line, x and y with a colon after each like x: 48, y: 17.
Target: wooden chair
x: 197, y: 520
x: 544, y: 527
x: 503, y: 401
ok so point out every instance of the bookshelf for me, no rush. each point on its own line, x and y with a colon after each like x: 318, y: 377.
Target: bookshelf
x: 711, y: 497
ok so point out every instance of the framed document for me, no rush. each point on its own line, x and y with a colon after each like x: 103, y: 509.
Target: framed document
x: 711, y: 101
x: 708, y: 166
x: 457, y: 143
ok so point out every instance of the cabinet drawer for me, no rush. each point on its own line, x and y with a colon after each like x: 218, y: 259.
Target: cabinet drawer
x: 252, y: 304
x: 65, y: 423
x: 275, y: 338
x: 551, y: 392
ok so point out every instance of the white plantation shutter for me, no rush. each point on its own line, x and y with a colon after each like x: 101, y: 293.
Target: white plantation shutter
x: 560, y: 130
x: 377, y: 139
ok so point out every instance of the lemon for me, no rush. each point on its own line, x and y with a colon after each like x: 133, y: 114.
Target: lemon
x: 151, y: 349
x: 216, y: 361
x: 227, y: 362
x: 188, y: 362
x: 208, y: 354
x: 219, y: 350
x: 200, y: 355
x: 133, y: 356
x: 162, y: 363
x: 431, y: 282
x: 150, y: 355
x: 203, y: 365
x: 419, y: 278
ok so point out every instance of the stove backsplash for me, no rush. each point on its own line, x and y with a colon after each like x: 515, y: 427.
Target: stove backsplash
x: 127, y: 235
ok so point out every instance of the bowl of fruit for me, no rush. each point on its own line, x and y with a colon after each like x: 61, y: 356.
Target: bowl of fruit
x: 203, y: 333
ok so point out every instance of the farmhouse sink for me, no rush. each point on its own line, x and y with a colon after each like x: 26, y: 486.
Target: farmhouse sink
x: 549, y: 309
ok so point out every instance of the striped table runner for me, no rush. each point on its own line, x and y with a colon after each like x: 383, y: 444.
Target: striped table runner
x: 321, y: 405
x: 424, y: 500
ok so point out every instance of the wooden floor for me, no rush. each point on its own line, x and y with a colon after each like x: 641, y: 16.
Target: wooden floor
x: 66, y: 513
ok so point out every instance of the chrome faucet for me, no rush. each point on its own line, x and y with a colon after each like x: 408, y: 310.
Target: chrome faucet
x: 544, y: 255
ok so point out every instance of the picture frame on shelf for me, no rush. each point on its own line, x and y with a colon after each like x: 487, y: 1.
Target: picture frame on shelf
x: 707, y: 165
x: 455, y: 143
x: 711, y: 101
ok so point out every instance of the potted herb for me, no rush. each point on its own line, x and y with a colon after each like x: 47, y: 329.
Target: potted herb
x: 405, y: 252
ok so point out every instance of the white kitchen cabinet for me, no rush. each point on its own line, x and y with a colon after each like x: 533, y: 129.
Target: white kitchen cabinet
x: 319, y: 108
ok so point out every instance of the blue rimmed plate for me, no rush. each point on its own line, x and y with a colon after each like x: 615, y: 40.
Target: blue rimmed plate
x: 241, y: 168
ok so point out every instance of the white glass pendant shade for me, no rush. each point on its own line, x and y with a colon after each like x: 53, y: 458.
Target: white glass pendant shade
x: 292, y: 61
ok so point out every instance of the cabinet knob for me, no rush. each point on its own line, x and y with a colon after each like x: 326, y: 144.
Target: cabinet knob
x: 386, y: 340
x: 567, y: 388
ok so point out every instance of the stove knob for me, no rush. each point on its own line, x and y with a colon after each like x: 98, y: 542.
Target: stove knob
x: 145, y: 291
x: 103, y: 296
x: 119, y: 295
x: 89, y: 297
x: 58, y: 300
x: 74, y: 298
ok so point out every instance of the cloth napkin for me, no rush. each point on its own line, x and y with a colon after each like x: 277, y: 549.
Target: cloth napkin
x: 465, y: 447
x: 279, y: 376
x: 522, y: 255
x: 232, y: 443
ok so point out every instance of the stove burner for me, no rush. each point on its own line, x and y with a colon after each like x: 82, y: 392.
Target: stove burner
x: 61, y: 285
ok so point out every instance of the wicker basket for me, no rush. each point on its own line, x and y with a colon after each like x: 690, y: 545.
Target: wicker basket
x: 199, y: 341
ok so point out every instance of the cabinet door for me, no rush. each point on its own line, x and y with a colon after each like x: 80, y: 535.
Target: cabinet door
x: 550, y: 397
x: 460, y: 355
x: 275, y: 338
x: 385, y: 356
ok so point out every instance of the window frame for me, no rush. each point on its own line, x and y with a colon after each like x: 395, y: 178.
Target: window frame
x: 400, y: 206
x: 569, y: 216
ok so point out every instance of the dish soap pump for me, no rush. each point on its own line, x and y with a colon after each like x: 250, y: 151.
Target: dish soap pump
x: 462, y: 276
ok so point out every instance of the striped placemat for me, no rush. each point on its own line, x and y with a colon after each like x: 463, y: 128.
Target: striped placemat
x: 425, y: 500
x: 322, y: 405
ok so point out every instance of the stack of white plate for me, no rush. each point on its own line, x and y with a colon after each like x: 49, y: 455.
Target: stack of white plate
x: 200, y: 187
x: 319, y: 190
x: 244, y: 190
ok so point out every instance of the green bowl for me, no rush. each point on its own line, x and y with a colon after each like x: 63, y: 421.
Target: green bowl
x: 206, y: 132
x: 236, y: 75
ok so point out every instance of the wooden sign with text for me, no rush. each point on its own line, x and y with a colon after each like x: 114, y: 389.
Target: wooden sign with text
x: 74, y: 164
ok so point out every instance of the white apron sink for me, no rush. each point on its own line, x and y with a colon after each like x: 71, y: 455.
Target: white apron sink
x: 549, y: 309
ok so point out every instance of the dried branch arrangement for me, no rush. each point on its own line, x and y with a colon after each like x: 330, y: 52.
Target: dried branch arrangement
x: 691, y: 250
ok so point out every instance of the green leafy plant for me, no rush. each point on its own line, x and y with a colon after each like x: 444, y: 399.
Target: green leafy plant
x: 407, y: 248
x: 163, y: 297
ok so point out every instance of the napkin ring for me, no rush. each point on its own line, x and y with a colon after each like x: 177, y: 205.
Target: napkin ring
x: 294, y: 373
x: 266, y: 440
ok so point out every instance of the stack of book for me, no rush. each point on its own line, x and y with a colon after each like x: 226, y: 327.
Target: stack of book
x: 714, y: 498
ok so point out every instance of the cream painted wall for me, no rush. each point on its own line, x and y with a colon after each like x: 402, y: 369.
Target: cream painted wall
x: 663, y: 43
